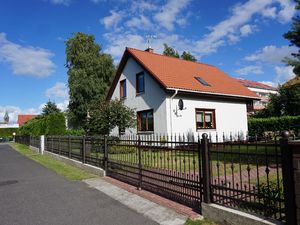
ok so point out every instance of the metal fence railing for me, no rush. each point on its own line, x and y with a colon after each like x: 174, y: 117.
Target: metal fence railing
x: 245, y: 173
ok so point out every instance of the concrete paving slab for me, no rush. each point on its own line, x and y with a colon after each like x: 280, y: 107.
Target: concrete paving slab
x: 160, y: 214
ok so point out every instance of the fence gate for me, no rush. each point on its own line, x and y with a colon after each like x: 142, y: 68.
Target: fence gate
x: 166, y: 166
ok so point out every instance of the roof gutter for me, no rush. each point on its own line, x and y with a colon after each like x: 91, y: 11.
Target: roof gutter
x: 171, y: 100
x: 210, y: 93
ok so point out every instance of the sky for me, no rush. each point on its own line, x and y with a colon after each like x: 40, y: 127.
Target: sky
x: 243, y: 38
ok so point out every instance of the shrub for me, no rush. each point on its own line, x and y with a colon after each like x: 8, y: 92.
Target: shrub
x: 7, y: 132
x: 53, y: 124
x: 257, y: 126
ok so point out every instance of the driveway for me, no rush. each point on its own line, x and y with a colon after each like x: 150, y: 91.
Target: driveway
x: 30, y: 194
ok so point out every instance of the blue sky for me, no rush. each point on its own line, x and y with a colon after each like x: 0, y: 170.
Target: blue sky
x: 243, y: 38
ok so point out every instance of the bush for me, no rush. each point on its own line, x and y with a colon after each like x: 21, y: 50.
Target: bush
x: 7, y: 132
x: 257, y: 126
x: 75, y: 132
x: 53, y: 124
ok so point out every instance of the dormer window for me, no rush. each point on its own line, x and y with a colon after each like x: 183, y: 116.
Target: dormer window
x: 140, y: 83
x: 123, y: 89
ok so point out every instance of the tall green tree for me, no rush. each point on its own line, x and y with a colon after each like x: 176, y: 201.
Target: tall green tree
x: 90, y: 72
x: 294, y: 37
x: 188, y: 56
x: 50, y: 108
x: 169, y: 51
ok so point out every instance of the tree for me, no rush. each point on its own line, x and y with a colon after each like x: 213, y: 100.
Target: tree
x: 89, y: 75
x: 105, y: 116
x: 286, y: 103
x: 294, y: 37
x: 169, y: 51
x: 50, y: 108
x: 188, y: 56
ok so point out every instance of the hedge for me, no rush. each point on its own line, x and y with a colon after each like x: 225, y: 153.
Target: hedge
x: 7, y: 132
x: 257, y: 126
x: 53, y: 124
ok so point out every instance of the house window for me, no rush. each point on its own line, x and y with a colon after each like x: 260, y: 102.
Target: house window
x: 123, y: 89
x: 140, y: 83
x: 205, y: 119
x: 145, y: 120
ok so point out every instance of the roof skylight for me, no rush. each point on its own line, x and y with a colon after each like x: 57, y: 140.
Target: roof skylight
x: 202, y: 81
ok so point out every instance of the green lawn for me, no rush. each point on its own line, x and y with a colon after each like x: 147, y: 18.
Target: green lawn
x: 70, y: 172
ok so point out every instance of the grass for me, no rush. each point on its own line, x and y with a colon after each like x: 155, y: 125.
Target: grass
x: 199, y: 222
x: 70, y: 172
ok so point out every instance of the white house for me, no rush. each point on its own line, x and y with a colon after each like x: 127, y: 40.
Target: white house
x: 175, y: 96
x: 262, y: 90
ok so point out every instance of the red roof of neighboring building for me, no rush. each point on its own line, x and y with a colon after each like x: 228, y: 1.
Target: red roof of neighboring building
x: 174, y: 73
x: 255, y: 84
x: 24, y: 118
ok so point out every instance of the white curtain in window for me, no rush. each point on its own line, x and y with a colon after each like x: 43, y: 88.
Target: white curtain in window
x: 199, y: 117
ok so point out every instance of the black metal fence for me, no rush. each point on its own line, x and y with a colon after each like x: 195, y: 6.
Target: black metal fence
x: 245, y: 174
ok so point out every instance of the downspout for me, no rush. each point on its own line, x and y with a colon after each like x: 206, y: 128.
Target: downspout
x: 171, y: 126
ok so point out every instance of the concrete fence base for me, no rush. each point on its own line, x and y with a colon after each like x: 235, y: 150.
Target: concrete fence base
x: 225, y: 216
x: 89, y: 168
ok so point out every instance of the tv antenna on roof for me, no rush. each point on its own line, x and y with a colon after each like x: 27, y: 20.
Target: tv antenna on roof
x: 150, y: 39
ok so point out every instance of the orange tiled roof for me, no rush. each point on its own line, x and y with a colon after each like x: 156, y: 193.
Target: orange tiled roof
x: 255, y: 84
x: 174, y: 73
x: 24, y: 118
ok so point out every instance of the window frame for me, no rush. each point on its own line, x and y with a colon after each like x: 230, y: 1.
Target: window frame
x: 137, y: 86
x: 213, y: 111
x: 139, y: 121
x: 123, y: 94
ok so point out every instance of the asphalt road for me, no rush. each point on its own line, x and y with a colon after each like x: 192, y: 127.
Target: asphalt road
x: 30, y: 194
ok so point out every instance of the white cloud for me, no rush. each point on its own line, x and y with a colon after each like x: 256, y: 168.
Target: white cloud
x: 142, y: 6
x: 247, y: 30
x: 112, y: 20
x: 249, y: 70
x: 169, y: 13
x: 59, y: 90
x: 26, y: 60
x: 140, y: 22
x: 272, y: 54
x: 287, y: 11
x: 237, y: 22
x: 283, y: 74
x: 61, y: 2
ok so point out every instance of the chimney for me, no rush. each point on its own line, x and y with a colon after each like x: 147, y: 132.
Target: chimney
x: 149, y: 49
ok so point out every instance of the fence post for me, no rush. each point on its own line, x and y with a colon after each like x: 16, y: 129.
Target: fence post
x: 42, y: 142
x: 69, y: 147
x: 59, y: 148
x: 288, y: 179
x: 105, y: 159
x: 83, y: 149
x: 140, y: 163
x: 205, y: 168
x: 52, y: 149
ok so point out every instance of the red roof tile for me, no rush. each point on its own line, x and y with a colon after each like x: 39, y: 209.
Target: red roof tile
x: 255, y: 84
x: 174, y: 73
x: 24, y: 118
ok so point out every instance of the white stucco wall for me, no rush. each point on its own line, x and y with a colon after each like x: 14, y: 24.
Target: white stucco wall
x: 231, y: 117
x: 154, y: 96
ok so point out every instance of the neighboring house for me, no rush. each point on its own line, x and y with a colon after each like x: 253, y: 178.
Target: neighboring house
x: 175, y: 96
x: 24, y: 118
x: 260, y: 89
